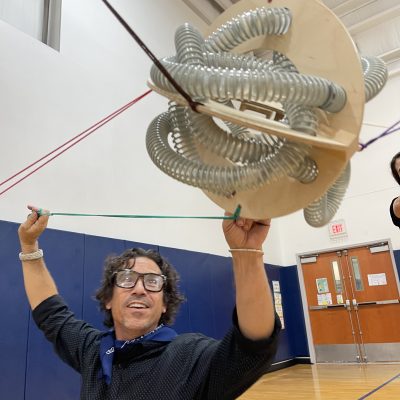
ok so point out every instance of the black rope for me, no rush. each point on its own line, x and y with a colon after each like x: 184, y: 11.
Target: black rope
x: 193, y: 104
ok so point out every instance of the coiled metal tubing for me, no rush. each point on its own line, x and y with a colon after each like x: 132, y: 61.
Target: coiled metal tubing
x: 248, y: 160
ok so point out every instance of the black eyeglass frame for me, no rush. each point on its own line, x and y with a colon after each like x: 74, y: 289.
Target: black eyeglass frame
x: 139, y: 275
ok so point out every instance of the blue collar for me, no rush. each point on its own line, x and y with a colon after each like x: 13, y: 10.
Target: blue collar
x: 108, y: 345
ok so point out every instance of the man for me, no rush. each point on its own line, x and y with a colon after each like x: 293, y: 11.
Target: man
x: 395, y: 204
x: 142, y: 358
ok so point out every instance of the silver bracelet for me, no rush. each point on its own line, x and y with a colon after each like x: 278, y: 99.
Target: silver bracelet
x: 247, y: 250
x: 31, y: 256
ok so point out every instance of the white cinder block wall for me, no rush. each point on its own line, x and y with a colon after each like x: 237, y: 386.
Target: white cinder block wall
x: 49, y: 97
x: 365, y: 208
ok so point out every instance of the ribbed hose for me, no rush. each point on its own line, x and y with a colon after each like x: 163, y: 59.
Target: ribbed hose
x: 189, y: 45
x: 191, y: 172
x: 321, y: 211
x: 250, y: 24
x: 375, y: 76
x: 206, y: 70
x: 251, y: 85
x: 276, y: 158
x: 300, y: 118
x: 258, y: 86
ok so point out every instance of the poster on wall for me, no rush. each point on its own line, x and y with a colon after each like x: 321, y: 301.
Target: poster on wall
x: 377, y: 279
x: 278, y: 301
x: 322, y: 285
x: 324, y: 299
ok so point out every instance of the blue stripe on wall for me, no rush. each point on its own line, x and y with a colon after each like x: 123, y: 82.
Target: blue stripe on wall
x: 293, y: 311
x: 76, y: 262
x: 14, y: 315
x: 396, y: 254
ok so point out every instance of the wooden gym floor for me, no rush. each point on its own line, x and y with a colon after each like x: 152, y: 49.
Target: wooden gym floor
x: 329, y: 382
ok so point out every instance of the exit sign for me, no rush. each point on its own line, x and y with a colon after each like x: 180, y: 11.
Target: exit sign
x: 337, y: 229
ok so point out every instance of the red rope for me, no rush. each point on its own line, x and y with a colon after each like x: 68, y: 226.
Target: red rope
x: 76, y: 139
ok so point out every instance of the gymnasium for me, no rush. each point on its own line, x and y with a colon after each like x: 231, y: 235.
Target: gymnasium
x: 78, y: 95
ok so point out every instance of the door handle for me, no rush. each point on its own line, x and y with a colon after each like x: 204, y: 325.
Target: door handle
x: 394, y: 301
x: 335, y: 305
x: 325, y: 307
x: 366, y: 303
x: 379, y: 302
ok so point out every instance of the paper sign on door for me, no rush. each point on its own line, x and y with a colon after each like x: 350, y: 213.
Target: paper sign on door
x: 377, y: 279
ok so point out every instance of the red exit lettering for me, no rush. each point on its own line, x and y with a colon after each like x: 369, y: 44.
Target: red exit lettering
x: 337, y: 228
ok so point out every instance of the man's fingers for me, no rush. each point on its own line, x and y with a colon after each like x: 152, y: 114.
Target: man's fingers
x: 247, y: 224
x: 30, y: 220
x: 264, y: 222
x: 38, y: 216
x: 42, y: 221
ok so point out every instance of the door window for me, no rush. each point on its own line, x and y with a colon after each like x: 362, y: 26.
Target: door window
x: 336, y: 277
x: 356, y: 274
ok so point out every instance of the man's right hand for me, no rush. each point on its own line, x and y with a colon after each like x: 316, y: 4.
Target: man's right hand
x: 39, y: 284
x: 32, y: 228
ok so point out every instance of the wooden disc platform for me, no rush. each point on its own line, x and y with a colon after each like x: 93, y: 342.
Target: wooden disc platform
x: 318, y: 44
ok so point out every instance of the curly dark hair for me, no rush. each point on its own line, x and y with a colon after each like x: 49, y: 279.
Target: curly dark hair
x: 172, y: 297
x: 393, y: 168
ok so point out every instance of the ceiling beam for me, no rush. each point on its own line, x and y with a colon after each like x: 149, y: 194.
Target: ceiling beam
x: 390, y: 56
x: 225, y: 4
x: 375, y: 20
x: 349, y: 6
x: 205, y: 10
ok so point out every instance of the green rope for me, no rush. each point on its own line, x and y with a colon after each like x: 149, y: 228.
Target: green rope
x: 235, y: 216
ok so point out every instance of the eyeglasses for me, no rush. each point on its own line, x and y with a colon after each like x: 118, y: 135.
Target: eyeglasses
x: 127, y: 278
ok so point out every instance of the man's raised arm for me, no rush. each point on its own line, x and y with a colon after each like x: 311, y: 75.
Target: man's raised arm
x: 39, y: 285
x: 254, y: 303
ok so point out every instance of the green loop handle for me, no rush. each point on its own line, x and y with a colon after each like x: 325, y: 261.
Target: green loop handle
x: 234, y: 216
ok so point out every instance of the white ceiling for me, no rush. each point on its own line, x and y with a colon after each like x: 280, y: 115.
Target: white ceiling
x: 373, y: 24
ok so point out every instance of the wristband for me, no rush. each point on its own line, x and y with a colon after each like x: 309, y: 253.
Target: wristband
x: 247, y: 250
x: 31, y: 256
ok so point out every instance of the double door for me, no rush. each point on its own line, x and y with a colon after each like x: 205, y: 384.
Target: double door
x: 353, y: 305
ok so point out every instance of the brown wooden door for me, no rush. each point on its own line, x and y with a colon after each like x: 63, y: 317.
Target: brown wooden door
x: 375, y: 301
x: 353, y: 304
x: 331, y: 321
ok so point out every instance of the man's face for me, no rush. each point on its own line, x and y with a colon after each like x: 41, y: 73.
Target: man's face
x: 397, y: 166
x: 136, y: 311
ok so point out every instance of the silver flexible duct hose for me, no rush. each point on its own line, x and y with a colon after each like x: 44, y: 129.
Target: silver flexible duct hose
x: 321, y: 211
x: 253, y: 85
x: 193, y: 171
x: 250, y: 24
x: 300, y: 118
x: 206, y: 70
x: 274, y: 157
x: 375, y: 76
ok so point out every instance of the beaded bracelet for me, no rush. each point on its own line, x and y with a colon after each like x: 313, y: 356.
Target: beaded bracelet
x: 247, y: 250
x: 31, y: 256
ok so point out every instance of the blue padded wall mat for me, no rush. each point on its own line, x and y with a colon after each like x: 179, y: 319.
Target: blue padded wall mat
x: 293, y: 312
x: 14, y: 316
x: 195, y: 272
x: 396, y: 254
x: 47, y: 377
